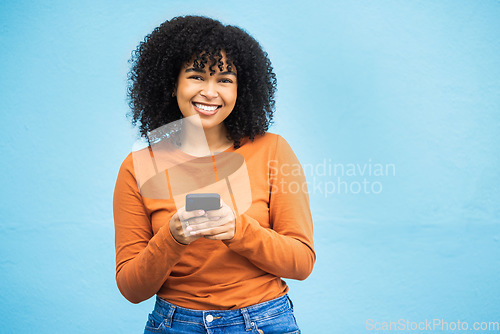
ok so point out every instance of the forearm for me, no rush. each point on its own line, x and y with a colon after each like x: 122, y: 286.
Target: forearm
x: 139, y: 276
x: 289, y: 255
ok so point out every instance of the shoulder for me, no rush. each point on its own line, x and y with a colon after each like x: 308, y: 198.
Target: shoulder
x: 128, y: 163
x: 126, y: 174
x: 276, y: 141
x: 133, y: 160
x: 268, y: 139
x: 268, y: 146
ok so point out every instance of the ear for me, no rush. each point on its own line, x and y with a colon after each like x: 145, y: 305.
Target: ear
x: 174, y: 91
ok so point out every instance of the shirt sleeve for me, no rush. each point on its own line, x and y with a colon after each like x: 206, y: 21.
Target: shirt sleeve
x: 143, y: 260
x: 286, y: 249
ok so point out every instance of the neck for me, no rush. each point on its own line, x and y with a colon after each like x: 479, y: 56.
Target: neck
x: 217, y: 138
x: 192, y: 141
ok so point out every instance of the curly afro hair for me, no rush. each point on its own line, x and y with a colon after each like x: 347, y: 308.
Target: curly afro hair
x: 157, y: 61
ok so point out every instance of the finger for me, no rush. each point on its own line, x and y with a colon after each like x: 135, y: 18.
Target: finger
x: 176, y: 222
x: 179, y: 233
x: 208, y: 229
x: 178, y: 225
x: 213, y: 232
x: 217, y: 213
x: 224, y: 232
x: 222, y: 212
x: 222, y: 236
x: 207, y: 225
x: 186, y: 215
x: 197, y: 220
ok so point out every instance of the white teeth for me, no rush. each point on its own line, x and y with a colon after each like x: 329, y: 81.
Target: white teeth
x: 205, y: 107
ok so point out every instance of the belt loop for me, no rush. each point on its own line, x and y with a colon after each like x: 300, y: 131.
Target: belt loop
x: 246, y: 317
x: 291, y: 303
x: 169, y: 316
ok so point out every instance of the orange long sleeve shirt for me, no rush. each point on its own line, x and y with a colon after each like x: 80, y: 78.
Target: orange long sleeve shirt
x: 273, y: 238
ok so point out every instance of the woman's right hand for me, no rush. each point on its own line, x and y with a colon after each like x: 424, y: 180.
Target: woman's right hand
x: 186, y: 217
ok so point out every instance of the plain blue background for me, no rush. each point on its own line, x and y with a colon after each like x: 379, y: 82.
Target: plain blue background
x: 409, y: 84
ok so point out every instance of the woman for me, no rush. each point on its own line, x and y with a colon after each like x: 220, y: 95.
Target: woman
x: 217, y: 270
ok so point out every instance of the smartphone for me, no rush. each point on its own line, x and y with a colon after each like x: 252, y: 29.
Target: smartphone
x: 206, y: 201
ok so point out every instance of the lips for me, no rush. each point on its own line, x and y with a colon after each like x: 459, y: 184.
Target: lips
x: 206, y: 109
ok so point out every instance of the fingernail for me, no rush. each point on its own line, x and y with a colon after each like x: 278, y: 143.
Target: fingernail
x: 189, y: 228
x: 201, y: 212
x: 193, y: 233
x: 214, y: 218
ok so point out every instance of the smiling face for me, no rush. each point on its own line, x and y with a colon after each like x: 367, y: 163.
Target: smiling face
x: 212, y: 96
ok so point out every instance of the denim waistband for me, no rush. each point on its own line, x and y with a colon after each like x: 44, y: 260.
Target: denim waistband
x: 219, y: 318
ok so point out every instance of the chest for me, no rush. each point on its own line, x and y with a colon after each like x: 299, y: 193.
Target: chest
x: 243, y: 184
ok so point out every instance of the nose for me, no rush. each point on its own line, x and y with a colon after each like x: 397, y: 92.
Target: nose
x: 209, y: 90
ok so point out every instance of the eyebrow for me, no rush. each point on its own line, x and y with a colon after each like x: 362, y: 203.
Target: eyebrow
x: 200, y: 70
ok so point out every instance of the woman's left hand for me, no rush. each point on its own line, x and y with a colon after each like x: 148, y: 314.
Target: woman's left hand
x: 220, y: 226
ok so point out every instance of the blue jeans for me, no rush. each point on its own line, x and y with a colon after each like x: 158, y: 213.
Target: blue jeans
x: 271, y: 317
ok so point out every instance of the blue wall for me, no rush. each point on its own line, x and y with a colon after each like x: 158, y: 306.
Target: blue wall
x: 406, y: 89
